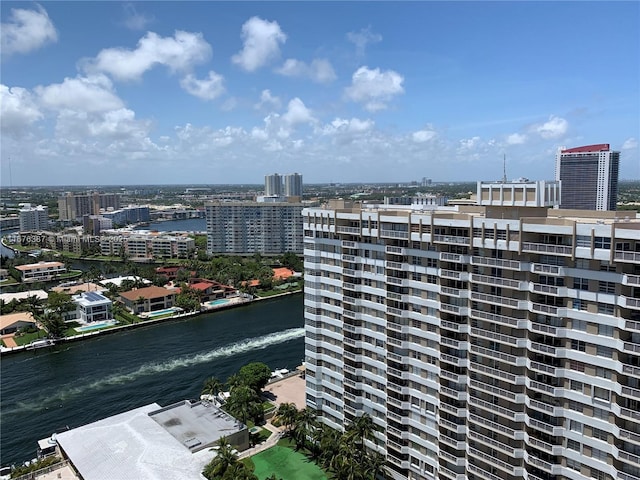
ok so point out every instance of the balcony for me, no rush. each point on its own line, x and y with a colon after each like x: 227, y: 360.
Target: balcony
x: 504, y: 357
x: 630, y: 392
x: 454, y: 309
x: 452, y: 274
x: 349, y: 230
x: 495, y: 372
x: 450, y: 392
x: 495, y: 444
x: 348, y: 258
x: 456, y: 411
x: 394, y: 234
x: 631, y: 347
x: 545, y: 407
x: 552, y: 430
x: 492, y: 407
x: 543, y: 368
x: 451, y: 239
x: 458, y: 362
x: 488, y: 280
x: 509, y: 432
x: 542, y: 308
x: 633, y: 303
x: 547, y: 248
x: 393, y: 265
x: 453, y: 257
x: 500, y: 392
x: 500, y: 337
x: 496, y: 262
x: 633, y: 280
x: 349, y: 244
x: 545, y: 289
x: 495, y: 299
x: 546, y: 349
x: 547, y: 269
x: 492, y: 460
x: 480, y: 472
x: 397, y: 312
x: 628, y: 257
x: 500, y: 319
x: 546, y: 329
x: 394, y: 250
x: 543, y: 387
x: 546, y: 466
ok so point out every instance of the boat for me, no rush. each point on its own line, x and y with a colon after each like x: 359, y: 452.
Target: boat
x: 48, y: 342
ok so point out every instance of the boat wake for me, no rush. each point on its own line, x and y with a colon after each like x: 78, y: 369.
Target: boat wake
x: 47, y: 399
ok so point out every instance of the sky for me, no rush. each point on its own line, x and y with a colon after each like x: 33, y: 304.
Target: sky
x: 111, y: 93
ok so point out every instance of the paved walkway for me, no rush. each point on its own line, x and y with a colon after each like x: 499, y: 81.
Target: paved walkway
x: 276, y: 435
x: 9, y: 342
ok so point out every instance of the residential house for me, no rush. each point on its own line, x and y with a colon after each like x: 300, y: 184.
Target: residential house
x: 148, y: 299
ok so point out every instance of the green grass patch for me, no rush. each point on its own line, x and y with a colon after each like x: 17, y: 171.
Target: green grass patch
x: 27, y: 338
x: 286, y: 464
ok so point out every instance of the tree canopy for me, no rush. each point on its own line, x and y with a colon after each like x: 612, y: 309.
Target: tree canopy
x: 255, y: 375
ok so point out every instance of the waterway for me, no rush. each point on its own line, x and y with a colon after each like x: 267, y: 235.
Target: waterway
x: 77, y: 383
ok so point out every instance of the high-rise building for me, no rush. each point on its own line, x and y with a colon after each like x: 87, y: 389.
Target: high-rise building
x: 273, y: 185
x: 72, y: 207
x: 589, y: 177
x: 488, y: 342
x: 34, y: 219
x: 293, y: 185
x: 253, y: 227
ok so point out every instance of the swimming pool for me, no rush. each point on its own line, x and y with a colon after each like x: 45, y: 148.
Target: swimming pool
x: 158, y: 313
x: 95, y: 326
x: 220, y: 301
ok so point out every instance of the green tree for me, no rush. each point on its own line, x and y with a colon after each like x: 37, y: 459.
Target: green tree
x: 225, y: 458
x: 211, y: 386
x: 60, y: 303
x: 53, y: 324
x: 255, y: 375
x: 244, y: 403
x: 287, y: 413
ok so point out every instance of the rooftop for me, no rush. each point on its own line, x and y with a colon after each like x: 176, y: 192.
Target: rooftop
x: 147, y: 292
x: 35, y: 266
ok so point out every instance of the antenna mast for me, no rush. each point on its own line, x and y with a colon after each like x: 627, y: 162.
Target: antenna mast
x: 504, y: 168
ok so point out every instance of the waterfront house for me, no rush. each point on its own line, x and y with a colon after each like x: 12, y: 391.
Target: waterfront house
x: 211, y: 290
x: 148, y: 299
x: 13, y: 322
x: 171, y: 272
x: 92, y: 307
x: 41, y: 271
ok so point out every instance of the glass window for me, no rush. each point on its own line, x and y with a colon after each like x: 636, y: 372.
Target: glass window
x: 604, y: 351
x: 581, y: 283
x: 573, y: 445
x: 601, y: 393
x: 605, y: 330
x: 600, y: 434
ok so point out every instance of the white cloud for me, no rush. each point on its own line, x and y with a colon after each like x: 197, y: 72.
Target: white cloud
x: 363, y: 38
x: 422, y: 136
x: 135, y: 20
x: 262, y: 41
x: 27, y: 30
x: 374, y: 88
x: 91, y: 94
x: 207, y: 89
x: 297, y: 113
x: 468, y: 144
x: 17, y: 109
x: 342, y: 126
x: 555, y: 127
x: 319, y: 71
x: 229, y: 104
x: 516, y: 139
x: 268, y: 100
x: 630, y: 144
x: 259, y: 133
x: 178, y: 53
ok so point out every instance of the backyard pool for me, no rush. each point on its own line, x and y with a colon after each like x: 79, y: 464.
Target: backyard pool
x: 220, y: 301
x: 95, y: 326
x: 159, y: 313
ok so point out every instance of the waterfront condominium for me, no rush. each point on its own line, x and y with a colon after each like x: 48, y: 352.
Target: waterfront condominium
x: 273, y: 185
x: 34, y: 218
x: 488, y: 342
x: 589, y: 177
x: 72, y: 207
x: 270, y: 228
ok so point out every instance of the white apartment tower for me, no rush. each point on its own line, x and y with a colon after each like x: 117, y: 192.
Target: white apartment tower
x: 273, y: 185
x: 34, y: 219
x: 489, y: 342
x: 293, y: 185
x: 589, y: 177
x: 253, y: 227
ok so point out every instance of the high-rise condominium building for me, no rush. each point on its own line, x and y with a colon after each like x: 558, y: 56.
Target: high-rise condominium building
x: 75, y: 206
x: 589, y: 177
x: 253, y: 227
x: 487, y: 342
x: 33, y: 219
x: 273, y: 184
x: 293, y: 185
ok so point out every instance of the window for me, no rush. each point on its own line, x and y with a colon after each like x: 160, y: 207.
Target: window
x: 573, y: 465
x: 583, y: 241
x: 606, y: 287
x: 577, y: 386
x: 582, y: 263
x: 605, y: 330
x: 573, y: 445
x: 581, y: 283
x: 605, y: 309
x: 578, y: 345
x: 598, y: 475
x: 575, y: 406
x: 600, y: 434
x: 579, y: 304
x: 600, y: 413
x: 580, y: 325
x: 602, y: 242
x: 598, y: 454
x: 577, y: 366
x: 601, y: 393
x: 575, y: 426
x: 604, y: 351
x: 603, y: 373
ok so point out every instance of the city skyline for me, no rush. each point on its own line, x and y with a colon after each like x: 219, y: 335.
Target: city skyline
x: 218, y: 93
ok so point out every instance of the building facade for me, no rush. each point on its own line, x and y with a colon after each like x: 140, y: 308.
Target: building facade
x: 139, y: 246
x: 273, y: 185
x: 589, y: 177
x: 72, y: 207
x: 41, y: 271
x: 34, y: 219
x: 293, y: 185
x: 92, y: 307
x: 487, y: 342
x: 253, y: 227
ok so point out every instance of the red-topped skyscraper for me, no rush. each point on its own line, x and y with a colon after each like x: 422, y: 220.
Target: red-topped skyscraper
x: 589, y: 176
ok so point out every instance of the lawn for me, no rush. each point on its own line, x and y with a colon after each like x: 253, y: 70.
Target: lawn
x: 286, y: 464
x: 27, y: 338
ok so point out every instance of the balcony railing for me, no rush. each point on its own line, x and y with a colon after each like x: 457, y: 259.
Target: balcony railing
x: 394, y: 234
x: 494, y: 317
x: 496, y: 262
x: 488, y: 280
x: 546, y: 248
x: 548, y: 269
x: 632, y: 257
x: 457, y: 240
x: 495, y: 299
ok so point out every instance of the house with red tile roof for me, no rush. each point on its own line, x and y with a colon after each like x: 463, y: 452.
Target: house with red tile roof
x: 148, y: 299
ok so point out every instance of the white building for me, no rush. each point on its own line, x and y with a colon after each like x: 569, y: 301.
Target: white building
x: 147, y: 245
x: 253, y: 227
x: 41, y: 271
x: 487, y: 342
x: 589, y: 177
x: 34, y: 219
x: 92, y: 307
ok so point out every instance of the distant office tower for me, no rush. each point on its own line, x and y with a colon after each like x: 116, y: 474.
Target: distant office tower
x: 293, y: 185
x: 73, y: 206
x: 589, y: 177
x: 253, y: 227
x: 33, y: 219
x: 495, y: 342
x: 273, y: 184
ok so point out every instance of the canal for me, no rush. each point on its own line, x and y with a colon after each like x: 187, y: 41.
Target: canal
x: 78, y: 383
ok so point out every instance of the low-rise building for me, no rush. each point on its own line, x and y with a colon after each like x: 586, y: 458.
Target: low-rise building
x: 13, y: 322
x: 41, y: 271
x: 92, y: 307
x: 148, y: 299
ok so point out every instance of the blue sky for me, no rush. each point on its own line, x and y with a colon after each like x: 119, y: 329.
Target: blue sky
x: 215, y: 92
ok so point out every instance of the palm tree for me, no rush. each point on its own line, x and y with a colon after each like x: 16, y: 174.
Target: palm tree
x: 362, y: 428
x: 244, y: 403
x: 287, y: 413
x: 225, y: 458
x: 305, y: 423
x: 233, y: 381
x: 329, y: 445
x: 374, y: 465
x: 211, y: 386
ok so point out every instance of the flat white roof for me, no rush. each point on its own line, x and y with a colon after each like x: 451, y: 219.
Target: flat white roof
x: 7, y: 297
x: 117, y: 281
x: 131, y: 445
